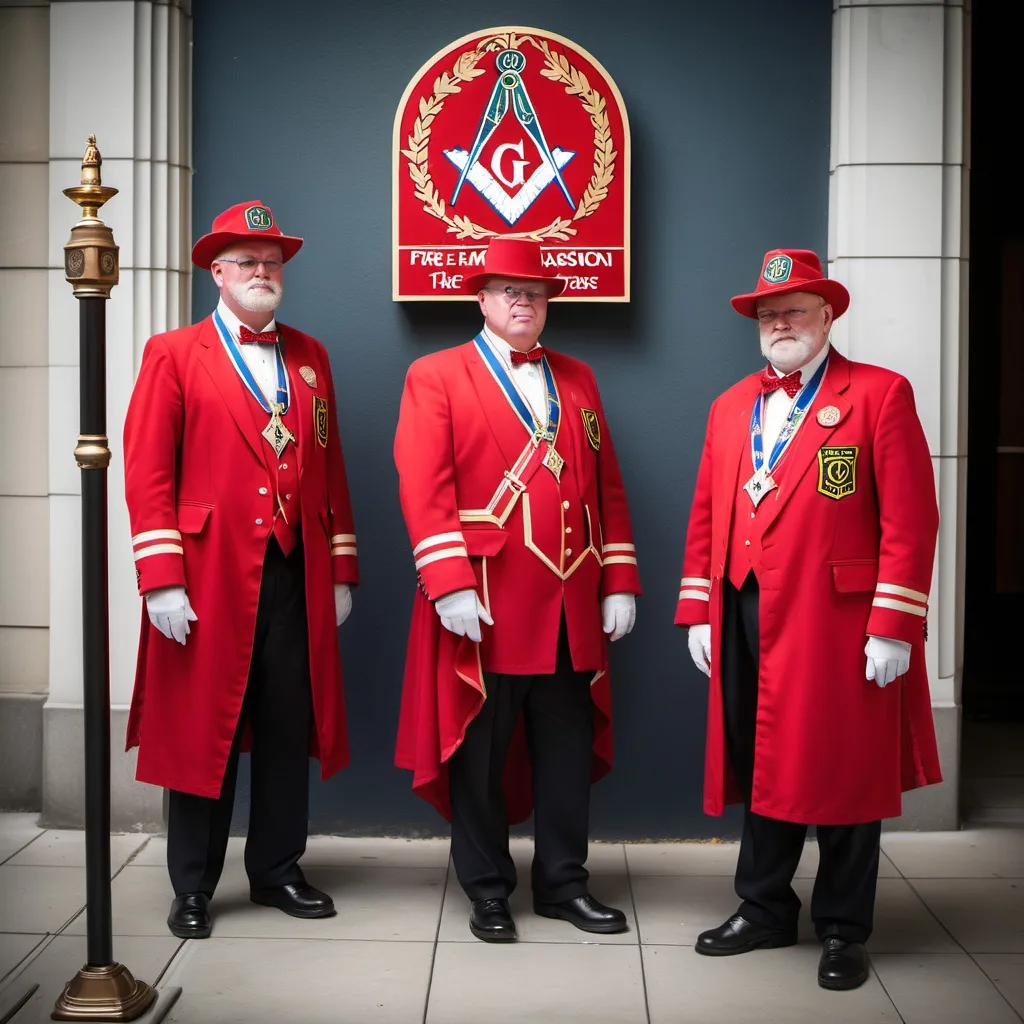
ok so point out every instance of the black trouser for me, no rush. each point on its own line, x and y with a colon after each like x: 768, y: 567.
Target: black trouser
x: 843, y: 900
x: 278, y: 706
x: 559, y: 719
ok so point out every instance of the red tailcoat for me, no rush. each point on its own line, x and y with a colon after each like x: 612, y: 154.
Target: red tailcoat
x: 199, y: 482
x: 834, y: 563
x: 555, y: 548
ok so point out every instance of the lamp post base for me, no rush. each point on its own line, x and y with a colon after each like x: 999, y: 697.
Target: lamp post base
x: 109, y: 992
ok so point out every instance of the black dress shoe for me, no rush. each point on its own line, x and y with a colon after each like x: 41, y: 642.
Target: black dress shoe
x: 586, y: 913
x: 738, y: 935
x: 491, y: 920
x: 296, y: 900
x: 190, y: 916
x: 843, y: 965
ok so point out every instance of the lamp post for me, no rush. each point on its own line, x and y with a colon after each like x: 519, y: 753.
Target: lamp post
x: 103, y: 989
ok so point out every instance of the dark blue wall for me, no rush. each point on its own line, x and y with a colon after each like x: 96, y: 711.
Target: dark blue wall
x: 729, y: 110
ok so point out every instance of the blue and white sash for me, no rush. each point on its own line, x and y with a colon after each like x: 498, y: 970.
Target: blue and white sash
x: 801, y: 404
x: 539, y: 431
x: 243, y: 371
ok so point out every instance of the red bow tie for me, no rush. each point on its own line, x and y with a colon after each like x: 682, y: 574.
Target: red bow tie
x: 533, y: 356
x: 790, y: 383
x: 266, y: 338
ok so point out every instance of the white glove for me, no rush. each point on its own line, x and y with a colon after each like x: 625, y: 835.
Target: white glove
x: 170, y: 612
x: 342, y: 602
x: 619, y: 613
x: 887, y: 659
x: 461, y: 612
x: 698, y: 639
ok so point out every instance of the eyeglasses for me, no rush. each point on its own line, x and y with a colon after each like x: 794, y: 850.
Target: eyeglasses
x: 769, y: 316
x: 514, y: 294
x: 249, y: 265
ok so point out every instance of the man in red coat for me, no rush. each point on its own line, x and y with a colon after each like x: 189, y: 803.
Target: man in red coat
x: 245, y: 553
x: 525, y: 558
x: 805, y: 588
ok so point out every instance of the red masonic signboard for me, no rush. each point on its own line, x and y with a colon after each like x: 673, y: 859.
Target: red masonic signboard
x: 515, y: 132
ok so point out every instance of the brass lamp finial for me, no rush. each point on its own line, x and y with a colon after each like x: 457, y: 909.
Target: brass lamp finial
x: 90, y: 257
x: 91, y: 194
x: 91, y: 163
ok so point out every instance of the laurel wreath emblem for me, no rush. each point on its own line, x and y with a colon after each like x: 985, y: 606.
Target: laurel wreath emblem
x: 557, y: 69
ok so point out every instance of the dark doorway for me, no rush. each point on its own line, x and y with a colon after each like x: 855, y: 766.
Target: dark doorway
x: 993, y: 684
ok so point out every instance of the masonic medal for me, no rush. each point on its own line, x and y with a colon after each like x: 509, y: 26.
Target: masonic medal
x: 554, y: 462
x: 759, y: 485
x: 276, y: 433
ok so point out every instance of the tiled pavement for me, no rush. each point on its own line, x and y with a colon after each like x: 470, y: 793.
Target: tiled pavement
x: 948, y: 943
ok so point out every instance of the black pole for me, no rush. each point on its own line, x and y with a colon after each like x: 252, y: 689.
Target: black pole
x: 102, y: 990
x: 95, y: 633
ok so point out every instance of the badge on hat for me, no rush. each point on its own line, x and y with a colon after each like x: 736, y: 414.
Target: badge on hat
x: 239, y: 223
x: 777, y: 269
x: 784, y: 271
x: 259, y: 218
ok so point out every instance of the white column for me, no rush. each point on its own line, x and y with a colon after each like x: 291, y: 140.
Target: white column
x: 24, y: 503
x: 898, y: 201
x: 133, y: 93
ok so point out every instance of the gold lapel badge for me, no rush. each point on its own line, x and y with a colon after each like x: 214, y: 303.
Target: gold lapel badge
x: 308, y: 374
x: 837, y: 471
x: 320, y: 418
x: 592, y: 425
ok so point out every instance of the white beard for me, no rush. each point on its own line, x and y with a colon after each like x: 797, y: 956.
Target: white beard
x: 789, y: 355
x: 257, y: 300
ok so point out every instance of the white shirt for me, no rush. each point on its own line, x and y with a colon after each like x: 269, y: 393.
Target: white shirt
x: 261, y: 359
x: 778, y: 403
x: 527, y: 377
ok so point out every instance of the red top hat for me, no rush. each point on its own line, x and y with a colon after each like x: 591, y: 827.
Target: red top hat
x: 517, y: 258
x: 793, y: 270
x: 237, y: 223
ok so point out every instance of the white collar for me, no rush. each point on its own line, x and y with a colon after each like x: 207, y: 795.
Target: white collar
x: 232, y: 323
x: 807, y: 370
x: 500, y: 345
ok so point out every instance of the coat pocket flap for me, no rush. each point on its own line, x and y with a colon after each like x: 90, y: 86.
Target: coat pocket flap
x: 853, y: 577
x: 192, y: 518
x: 484, y: 543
